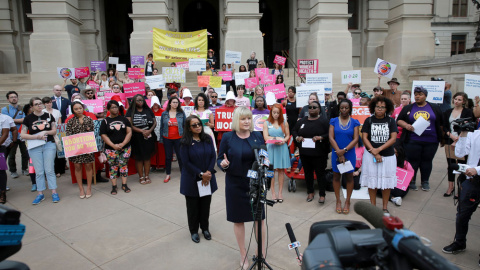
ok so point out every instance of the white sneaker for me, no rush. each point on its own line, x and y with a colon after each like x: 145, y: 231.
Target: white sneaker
x: 397, y: 201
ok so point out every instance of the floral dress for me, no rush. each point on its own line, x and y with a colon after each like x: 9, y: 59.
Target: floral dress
x: 74, y: 127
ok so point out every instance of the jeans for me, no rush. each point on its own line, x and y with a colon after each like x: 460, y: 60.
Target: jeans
x: 468, y: 203
x: 169, y: 145
x: 12, y: 165
x: 43, y: 158
x: 299, y: 164
x: 317, y: 164
x: 420, y: 155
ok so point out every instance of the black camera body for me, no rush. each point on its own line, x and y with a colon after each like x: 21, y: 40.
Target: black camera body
x: 464, y: 124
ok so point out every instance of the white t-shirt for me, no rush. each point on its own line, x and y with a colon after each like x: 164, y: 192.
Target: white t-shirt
x: 56, y: 114
x: 6, y: 122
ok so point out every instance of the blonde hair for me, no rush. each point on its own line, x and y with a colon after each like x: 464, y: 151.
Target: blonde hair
x: 238, y: 113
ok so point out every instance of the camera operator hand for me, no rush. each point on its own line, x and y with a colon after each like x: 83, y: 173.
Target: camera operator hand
x: 471, y: 172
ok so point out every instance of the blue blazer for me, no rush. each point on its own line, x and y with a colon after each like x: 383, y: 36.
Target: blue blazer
x: 234, y: 154
x: 63, y: 110
x: 196, y: 158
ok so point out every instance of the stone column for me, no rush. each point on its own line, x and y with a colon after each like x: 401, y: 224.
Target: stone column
x: 145, y: 16
x: 330, y: 41
x: 301, y: 15
x: 89, y: 30
x: 9, y: 51
x: 409, y: 34
x: 242, y: 22
x: 55, y: 41
x: 376, y: 31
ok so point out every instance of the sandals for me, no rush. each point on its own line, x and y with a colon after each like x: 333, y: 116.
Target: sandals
x: 125, y: 188
x: 346, y: 210
x: 147, y: 180
x: 289, y: 170
x: 114, y: 190
x: 142, y: 181
x: 339, y: 208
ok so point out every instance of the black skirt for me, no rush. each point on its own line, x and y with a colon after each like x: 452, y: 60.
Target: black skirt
x: 143, y: 149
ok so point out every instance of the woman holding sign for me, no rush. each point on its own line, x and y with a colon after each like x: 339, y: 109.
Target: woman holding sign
x: 81, y: 124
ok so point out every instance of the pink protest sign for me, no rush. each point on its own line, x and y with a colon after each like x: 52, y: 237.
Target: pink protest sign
x: 149, y: 102
x: 403, y: 178
x: 279, y: 60
x: 131, y: 89
x: 226, y: 75
x: 97, y: 104
x: 108, y: 96
x: 93, y: 85
x: 136, y: 73
x: 251, y: 82
x: 183, y: 65
x: 259, y: 72
x: 82, y: 72
x: 355, y: 102
x: 277, y: 89
x: 268, y: 79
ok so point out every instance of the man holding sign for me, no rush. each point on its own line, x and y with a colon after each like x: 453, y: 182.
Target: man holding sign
x: 393, y: 94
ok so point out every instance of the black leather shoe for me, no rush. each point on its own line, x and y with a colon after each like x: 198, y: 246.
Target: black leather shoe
x: 207, y: 235
x: 195, y: 238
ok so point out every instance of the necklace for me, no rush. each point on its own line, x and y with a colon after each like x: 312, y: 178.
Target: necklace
x: 346, y: 126
x: 197, y: 140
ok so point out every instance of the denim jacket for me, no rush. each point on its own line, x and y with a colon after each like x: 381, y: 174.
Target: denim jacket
x: 164, y: 124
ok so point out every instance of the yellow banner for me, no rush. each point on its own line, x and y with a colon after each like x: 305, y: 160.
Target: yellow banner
x: 179, y: 46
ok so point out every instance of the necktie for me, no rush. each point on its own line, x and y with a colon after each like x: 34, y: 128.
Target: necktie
x: 59, y: 103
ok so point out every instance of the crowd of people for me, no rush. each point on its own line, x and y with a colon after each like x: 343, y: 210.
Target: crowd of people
x: 361, y: 154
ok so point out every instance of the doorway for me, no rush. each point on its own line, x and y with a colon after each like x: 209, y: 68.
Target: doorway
x: 275, y: 29
x: 118, y: 27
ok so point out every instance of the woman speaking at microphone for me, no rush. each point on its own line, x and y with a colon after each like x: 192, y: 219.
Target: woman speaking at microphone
x: 235, y: 158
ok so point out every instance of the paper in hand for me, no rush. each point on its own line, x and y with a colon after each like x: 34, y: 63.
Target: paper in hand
x: 420, y: 125
x: 345, y: 167
x: 204, y: 190
x: 308, y: 143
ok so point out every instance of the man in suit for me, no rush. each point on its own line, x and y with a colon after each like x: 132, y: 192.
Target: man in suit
x: 60, y: 103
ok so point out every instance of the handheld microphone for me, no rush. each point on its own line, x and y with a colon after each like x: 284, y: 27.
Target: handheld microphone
x: 294, y: 243
x: 462, y: 168
x: 371, y: 213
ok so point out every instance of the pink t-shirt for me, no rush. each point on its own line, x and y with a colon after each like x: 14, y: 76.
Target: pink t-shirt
x: 395, y: 114
x: 359, y: 153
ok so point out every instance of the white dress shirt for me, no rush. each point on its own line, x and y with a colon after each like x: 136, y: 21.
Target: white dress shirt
x: 470, y: 146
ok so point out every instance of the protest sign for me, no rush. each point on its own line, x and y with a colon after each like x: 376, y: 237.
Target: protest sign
x: 355, y: 101
x: 251, y: 82
x: 268, y: 79
x: 61, y: 132
x: 94, y: 105
x: 214, y: 108
x: 93, y: 85
x: 352, y: 76
x: 137, y: 60
x: 171, y: 46
x: 303, y: 93
x: 258, y: 120
x: 96, y: 66
x: 240, y: 77
x: 435, y: 90
x: 223, y: 119
x: 108, y: 96
x: 197, y: 64
x: 67, y: 73
x: 361, y: 113
x: 155, y: 81
x: 121, y: 67
x: 259, y: 72
x: 270, y: 98
x: 131, y: 89
x: 98, y: 137
x: 279, y: 60
x: 203, y: 81
x: 101, y: 94
x: 215, y: 81
x: 82, y: 72
x: 324, y: 79
x: 183, y: 65
x: 136, y: 73
x: 233, y: 57
x: 221, y: 91
x: 277, y: 89
x: 173, y: 74
x: 226, y: 75
x: 79, y: 144
x: 403, y: 178
x: 384, y: 68
x: 307, y: 66
x: 187, y: 110
x: 113, y: 60
x: 472, y: 85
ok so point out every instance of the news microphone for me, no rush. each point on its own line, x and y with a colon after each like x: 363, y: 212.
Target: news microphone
x: 458, y: 167
x: 371, y: 213
x: 294, y: 243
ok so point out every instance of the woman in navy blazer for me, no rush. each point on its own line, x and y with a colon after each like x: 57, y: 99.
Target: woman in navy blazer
x: 198, y: 154
x: 236, y: 157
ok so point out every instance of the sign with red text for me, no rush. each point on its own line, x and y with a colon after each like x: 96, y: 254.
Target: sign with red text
x: 268, y: 79
x: 279, y: 60
x: 136, y: 73
x: 108, y: 96
x: 361, y: 113
x: 131, y: 89
x: 183, y: 65
x: 307, y: 66
x: 82, y: 72
x: 94, y: 105
x: 277, y: 89
x: 403, y: 178
x: 223, y: 119
x: 259, y: 72
x: 79, y: 144
x: 226, y: 75
x: 251, y: 82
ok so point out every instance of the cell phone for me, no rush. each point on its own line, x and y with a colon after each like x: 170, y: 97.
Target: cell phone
x: 374, y: 160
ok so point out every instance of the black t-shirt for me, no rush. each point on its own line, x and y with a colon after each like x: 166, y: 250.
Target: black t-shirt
x: 37, y: 124
x: 143, y: 119
x: 310, y: 128
x: 71, y: 89
x: 252, y: 64
x: 115, y: 129
x: 378, y: 131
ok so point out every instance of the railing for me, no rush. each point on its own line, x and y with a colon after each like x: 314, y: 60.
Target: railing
x: 109, y: 54
x: 294, y: 65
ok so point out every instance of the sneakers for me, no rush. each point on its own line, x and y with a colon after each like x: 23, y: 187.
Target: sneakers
x: 25, y: 172
x: 38, y: 199
x: 454, y: 248
x: 55, y: 198
x: 413, y: 187
x: 425, y: 186
x: 14, y: 174
x: 34, y: 188
x: 396, y: 200
x: 7, y: 188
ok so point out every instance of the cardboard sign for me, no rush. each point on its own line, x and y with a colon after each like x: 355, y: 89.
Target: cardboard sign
x: 223, y: 119
x: 215, y: 81
x: 96, y: 66
x: 303, y: 93
x: 259, y: 72
x: 173, y: 74
x: 472, y: 86
x: 307, y: 66
x: 183, y: 65
x: 121, y: 67
x: 93, y: 85
x: 233, y: 57
x: 221, y: 91
x: 435, y: 90
x: 155, y: 81
x: 240, y: 77
x: 403, y: 178
x: 226, y: 75
x: 277, y: 89
x: 108, y: 96
x: 94, y: 105
x: 203, y: 81
x: 197, y: 64
x: 361, y: 113
x: 66, y: 73
x: 251, y: 82
x: 268, y: 79
x: 384, y: 68
x: 113, y: 60
x: 279, y: 60
x: 137, y: 60
x: 258, y: 120
x: 79, y: 144
x: 136, y: 73
x: 82, y: 72
x: 324, y: 79
x: 131, y: 89
x: 352, y: 76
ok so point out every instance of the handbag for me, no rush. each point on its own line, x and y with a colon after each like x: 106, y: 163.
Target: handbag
x: 450, y: 152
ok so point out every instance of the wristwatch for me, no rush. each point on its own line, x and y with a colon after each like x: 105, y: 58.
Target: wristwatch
x: 200, y: 174
x: 346, y: 150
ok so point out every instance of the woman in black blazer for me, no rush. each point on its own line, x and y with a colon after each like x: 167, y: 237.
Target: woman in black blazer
x: 458, y: 111
x: 199, y: 155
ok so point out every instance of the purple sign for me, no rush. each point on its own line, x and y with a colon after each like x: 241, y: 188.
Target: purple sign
x: 98, y: 66
x: 137, y: 60
x: 213, y: 108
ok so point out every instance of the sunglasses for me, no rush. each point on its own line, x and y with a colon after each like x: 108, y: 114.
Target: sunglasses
x: 196, y: 125
x: 312, y: 107
x: 214, y: 96
x: 358, y: 93
x: 116, y: 87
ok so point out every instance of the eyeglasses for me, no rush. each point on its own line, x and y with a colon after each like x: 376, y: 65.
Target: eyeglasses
x: 196, y: 125
x: 358, y: 93
x: 89, y: 93
x: 214, y: 96
x: 381, y: 107
x: 116, y: 87
x: 37, y: 104
x: 312, y: 107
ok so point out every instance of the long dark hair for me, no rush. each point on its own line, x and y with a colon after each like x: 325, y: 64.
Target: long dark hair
x: 169, y: 106
x: 400, y: 156
x: 75, y: 103
x: 188, y: 135
x: 206, y: 101
x: 114, y: 102
x: 133, y: 104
